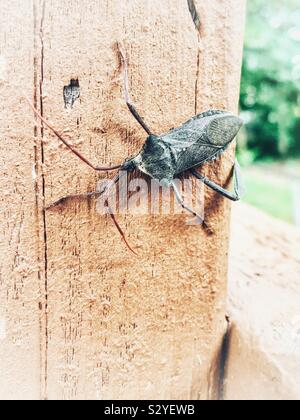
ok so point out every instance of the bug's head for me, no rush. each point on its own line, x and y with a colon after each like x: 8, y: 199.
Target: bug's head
x: 223, y: 129
x: 129, y: 165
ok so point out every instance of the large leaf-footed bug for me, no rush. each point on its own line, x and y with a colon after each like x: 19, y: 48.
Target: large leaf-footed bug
x: 163, y: 157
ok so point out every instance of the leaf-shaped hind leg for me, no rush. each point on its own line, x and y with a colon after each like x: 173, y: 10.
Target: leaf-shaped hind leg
x: 84, y: 196
x: 105, y: 192
x: 129, y: 103
x: 67, y: 198
x: 239, y: 189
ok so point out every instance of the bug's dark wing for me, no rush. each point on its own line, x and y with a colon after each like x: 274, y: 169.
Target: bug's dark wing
x: 190, y: 132
x: 191, y: 144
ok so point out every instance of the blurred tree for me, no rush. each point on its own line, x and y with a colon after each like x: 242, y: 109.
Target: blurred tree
x: 270, y: 92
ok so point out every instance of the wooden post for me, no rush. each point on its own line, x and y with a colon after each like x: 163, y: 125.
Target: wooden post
x: 80, y: 317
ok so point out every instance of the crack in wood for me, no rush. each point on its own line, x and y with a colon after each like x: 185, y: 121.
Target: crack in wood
x: 39, y: 149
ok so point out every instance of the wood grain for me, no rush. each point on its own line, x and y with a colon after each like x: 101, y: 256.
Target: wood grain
x: 22, y: 269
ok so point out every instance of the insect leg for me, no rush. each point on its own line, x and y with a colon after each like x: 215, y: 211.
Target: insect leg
x: 239, y: 189
x: 73, y: 150
x: 128, y: 100
x: 115, y: 181
x: 98, y: 194
x: 181, y: 202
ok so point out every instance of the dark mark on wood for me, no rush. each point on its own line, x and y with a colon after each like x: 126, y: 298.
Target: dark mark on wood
x: 71, y: 93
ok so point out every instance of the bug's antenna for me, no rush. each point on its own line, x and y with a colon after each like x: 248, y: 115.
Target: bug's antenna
x: 194, y: 13
x: 69, y: 146
x: 128, y: 100
x: 102, y: 169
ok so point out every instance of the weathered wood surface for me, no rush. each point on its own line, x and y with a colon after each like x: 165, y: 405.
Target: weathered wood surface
x: 80, y: 317
x: 264, y: 295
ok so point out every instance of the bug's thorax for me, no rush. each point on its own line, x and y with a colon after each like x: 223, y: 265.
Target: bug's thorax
x: 156, y: 159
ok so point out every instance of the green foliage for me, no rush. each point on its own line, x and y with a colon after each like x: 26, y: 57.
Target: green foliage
x: 269, y: 194
x: 270, y: 91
